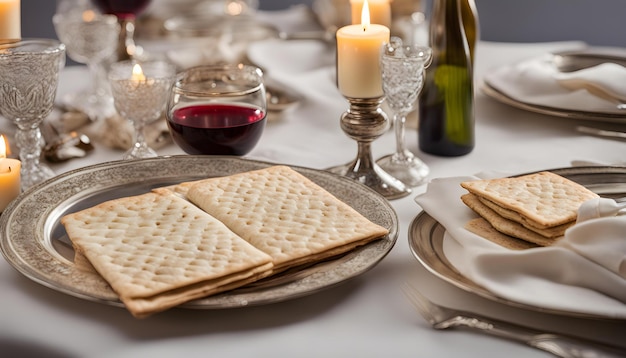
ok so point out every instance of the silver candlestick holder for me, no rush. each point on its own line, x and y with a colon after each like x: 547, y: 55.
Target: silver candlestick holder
x: 364, y: 121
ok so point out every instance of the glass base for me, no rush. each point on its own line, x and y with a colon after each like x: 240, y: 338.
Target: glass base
x: 409, y: 169
x: 139, y: 152
x: 375, y: 178
x: 34, y: 175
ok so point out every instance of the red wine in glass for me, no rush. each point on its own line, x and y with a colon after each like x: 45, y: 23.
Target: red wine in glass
x: 122, y: 8
x: 217, y: 129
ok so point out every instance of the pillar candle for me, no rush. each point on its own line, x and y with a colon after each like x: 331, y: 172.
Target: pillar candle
x: 9, y: 177
x: 10, y: 24
x: 380, y: 11
x: 358, y: 58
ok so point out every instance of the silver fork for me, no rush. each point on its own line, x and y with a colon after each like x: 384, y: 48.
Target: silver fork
x: 562, y: 346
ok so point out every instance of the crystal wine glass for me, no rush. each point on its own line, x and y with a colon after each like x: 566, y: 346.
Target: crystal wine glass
x: 126, y: 12
x: 403, y: 78
x: 140, y: 92
x: 90, y: 38
x: 217, y: 109
x: 29, y: 74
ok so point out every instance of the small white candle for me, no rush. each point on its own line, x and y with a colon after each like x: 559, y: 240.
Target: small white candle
x: 358, y: 64
x: 10, y: 25
x: 9, y: 176
x: 380, y: 11
x: 137, y: 75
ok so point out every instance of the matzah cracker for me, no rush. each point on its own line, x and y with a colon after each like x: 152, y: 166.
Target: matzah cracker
x: 483, y: 228
x: 550, y: 232
x: 544, y: 198
x: 503, y: 225
x: 157, y: 250
x: 284, y: 214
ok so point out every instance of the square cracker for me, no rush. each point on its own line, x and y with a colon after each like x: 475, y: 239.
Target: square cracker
x: 284, y: 214
x: 550, y: 232
x: 483, y: 228
x: 544, y: 199
x: 504, y: 225
x: 157, y: 250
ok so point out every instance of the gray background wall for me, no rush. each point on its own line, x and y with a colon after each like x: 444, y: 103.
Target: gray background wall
x: 599, y: 22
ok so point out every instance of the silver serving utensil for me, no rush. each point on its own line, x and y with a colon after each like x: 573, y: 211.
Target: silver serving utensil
x: 559, y: 345
x: 601, y: 132
x: 574, y: 60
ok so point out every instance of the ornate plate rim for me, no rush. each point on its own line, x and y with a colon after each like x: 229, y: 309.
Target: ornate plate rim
x: 501, y: 97
x: 425, y: 236
x: 31, y: 235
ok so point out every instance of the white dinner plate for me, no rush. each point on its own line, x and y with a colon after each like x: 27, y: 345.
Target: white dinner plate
x: 426, y: 237
x: 33, y: 240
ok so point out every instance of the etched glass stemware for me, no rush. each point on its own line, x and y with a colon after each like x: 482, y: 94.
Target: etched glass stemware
x: 90, y: 38
x: 29, y: 75
x: 403, y: 78
x: 140, y: 92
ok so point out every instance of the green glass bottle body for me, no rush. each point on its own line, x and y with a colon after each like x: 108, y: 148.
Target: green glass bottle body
x: 446, y: 105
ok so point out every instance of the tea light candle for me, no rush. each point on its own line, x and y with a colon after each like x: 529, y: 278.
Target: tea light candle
x: 137, y: 75
x: 380, y: 11
x: 358, y: 52
x: 10, y: 25
x: 9, y: 176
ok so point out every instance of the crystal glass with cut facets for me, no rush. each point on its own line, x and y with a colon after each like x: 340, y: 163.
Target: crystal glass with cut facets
x: 403, y: 78
x: 140, y: 92
x: 29, y: 74
x: 90, y: 38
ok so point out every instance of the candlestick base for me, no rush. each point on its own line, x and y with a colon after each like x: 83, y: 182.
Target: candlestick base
x: 364, y: 121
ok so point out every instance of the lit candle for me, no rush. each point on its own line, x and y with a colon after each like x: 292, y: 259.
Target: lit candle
x: 10, y: 25
x: 137, y: 75
x: 380, y: 11
x: 9, y: 176
x: 358, y: 64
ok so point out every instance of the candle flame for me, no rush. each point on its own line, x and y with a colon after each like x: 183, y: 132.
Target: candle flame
x: 4, y: 147
x: 138, y: 73
x: 365, y: 15
x: 89, y: 15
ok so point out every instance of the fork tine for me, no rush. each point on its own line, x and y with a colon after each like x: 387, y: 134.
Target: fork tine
x: 421, y: 304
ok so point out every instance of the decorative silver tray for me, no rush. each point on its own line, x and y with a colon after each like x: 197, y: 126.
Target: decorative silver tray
x: 35, y: 243
x: 426, y: 237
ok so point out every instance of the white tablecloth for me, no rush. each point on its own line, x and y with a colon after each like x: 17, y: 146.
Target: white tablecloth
x: 365, y: 317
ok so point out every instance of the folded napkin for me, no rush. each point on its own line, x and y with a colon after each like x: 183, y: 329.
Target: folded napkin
x: 582, y: 273
x: 607, y: 80
x: 537, y: 81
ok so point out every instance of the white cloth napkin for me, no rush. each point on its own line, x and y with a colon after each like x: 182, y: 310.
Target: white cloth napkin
x: 582, y: 273
x: 537, y: 81
x: 607, y: 80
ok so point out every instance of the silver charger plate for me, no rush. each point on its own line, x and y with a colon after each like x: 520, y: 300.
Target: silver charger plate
x: 426, y: 236
x: 33, y: 240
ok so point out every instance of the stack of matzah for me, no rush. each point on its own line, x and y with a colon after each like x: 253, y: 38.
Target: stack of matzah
x: 158, y: 249
x: 536, y: 208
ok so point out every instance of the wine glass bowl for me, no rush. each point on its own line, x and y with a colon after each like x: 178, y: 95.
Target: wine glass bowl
x: 90, y: 38
x: 29, y: 74
x: 140, y: 92
x: 217, y: 110
x: 403, y: 78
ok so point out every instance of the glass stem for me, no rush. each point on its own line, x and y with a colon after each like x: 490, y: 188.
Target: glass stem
x: 126, y: 46
x: 140, y: 140
x: 400, y: 119
x: 30, y: 141
x: 96, y: 69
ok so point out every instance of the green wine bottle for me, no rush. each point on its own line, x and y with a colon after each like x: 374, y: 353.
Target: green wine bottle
x: 446, y: 105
